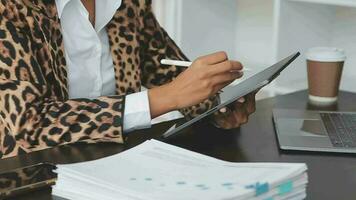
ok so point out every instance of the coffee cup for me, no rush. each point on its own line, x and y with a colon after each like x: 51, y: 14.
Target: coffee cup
x: 325, y: 66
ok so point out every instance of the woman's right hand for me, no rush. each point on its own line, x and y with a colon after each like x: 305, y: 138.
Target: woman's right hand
x: 206, y: 77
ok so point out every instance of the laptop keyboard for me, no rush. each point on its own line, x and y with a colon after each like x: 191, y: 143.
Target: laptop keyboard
x: 341, y: 129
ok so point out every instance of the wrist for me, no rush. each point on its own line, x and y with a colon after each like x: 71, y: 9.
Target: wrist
x: 162, y: 100
x: 168, y: 97
x: 171, y: 97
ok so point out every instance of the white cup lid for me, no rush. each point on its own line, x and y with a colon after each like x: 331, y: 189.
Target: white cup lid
x: 326, y: 54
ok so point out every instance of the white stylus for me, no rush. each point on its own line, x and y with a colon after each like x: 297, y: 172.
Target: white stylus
x: 176, y: 63
x: 186, y: 64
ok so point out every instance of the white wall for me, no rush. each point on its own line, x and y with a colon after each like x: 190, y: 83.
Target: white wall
x: 169, y: 15
x: 301, y: 26
x: 259, y: 32
x: 203, y: 26
x: 307, y: 25
x: 208, y: 26
x: 344, y: 32
x: 254, y: 32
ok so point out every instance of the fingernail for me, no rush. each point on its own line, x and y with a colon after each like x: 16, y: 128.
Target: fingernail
x: 241, y: 100
x: 223, y: 110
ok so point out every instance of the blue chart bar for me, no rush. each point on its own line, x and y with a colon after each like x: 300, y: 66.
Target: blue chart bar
x: 285, y: 188
x: 259, y: 188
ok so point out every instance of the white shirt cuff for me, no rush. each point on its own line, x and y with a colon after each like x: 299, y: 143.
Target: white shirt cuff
x: 137, y: 114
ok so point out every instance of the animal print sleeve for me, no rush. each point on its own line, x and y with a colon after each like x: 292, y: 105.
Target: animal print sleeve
x: 35, y: 113
x: 31, y: 121
x: 156, y: 45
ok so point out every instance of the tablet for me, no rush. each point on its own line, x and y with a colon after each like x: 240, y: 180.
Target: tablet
x: 239, y: 90
x: 27, y: 179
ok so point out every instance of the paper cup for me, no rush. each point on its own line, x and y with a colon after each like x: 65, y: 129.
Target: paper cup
x: 325, y: 66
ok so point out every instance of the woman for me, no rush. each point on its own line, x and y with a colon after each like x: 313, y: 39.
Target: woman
x: 71, y: 71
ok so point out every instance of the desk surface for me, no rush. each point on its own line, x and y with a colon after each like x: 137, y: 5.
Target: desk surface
x: 331, y: 175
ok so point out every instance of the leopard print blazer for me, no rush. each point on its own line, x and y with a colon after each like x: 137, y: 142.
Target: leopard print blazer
x: 35, y: 111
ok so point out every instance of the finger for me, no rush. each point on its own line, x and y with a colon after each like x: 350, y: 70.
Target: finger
x: 223, y: 110
x: 239, y: 103
x: 240, y: 106
x: 253, y: 94
x: 227, y: 67
x: 214, y: 58
x: 220, y: 120
x: 225, y: 120
x: 251, y: 103
x: 241, y: 116
x: 251, y: 107
x: 241, y: 100
x: 230, y: 121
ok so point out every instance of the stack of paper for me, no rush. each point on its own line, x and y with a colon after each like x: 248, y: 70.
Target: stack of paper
x: 158, y: 171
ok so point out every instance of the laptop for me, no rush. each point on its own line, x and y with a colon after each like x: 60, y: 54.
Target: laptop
x: 237, y: 91
x: 315, y: 130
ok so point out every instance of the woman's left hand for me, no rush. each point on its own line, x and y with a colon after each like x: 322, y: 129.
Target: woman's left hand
x: 237, y: 114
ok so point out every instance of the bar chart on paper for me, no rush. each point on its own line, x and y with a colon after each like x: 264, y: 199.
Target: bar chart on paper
x: 155, y: 170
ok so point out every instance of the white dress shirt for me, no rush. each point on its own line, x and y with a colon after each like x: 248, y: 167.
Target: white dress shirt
x: 89, y: 61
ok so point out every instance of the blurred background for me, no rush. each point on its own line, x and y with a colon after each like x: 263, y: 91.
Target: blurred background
x: 260, y: 32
